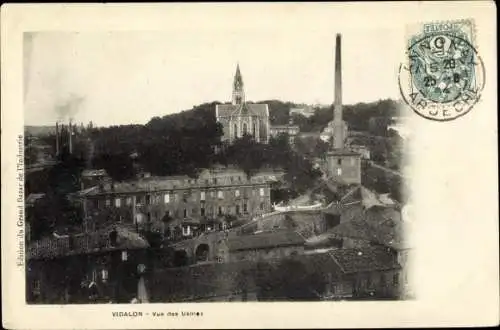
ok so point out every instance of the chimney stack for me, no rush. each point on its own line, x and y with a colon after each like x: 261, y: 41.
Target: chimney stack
x: 338, y: 132
x: 57, y: 138
x: 70, y: 142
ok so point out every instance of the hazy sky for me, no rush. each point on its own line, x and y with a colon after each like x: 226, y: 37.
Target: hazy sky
x: 128, y: 77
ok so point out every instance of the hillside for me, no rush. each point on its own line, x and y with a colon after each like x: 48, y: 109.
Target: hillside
x: 39, y: 130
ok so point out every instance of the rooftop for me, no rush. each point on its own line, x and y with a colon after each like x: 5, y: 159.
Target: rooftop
x: 208, y: 179
x: 381, y: 225
x: 265, y: 240
x: 202, y: 281
x: 85, y: 243
x: 227, y: 110
x: 365, y: 259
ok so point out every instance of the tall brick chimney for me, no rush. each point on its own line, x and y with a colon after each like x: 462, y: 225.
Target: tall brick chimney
x: 338, y: 132
x: 57, y: 138
x: 70, y: 138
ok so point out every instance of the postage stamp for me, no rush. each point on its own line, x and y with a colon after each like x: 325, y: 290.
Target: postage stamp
x: 443, y: 76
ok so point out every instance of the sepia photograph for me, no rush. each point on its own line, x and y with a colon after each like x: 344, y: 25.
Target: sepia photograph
x: 249, y: 165
x: 234, y: 199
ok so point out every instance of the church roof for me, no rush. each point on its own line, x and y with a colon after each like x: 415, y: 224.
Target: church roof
x: 256, y: 109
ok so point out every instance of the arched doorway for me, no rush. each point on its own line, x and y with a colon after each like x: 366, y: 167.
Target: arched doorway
x: 202, y: 252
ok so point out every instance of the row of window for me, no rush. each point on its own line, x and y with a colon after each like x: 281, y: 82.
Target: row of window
x: 170, y: 197
x: 212, y: 210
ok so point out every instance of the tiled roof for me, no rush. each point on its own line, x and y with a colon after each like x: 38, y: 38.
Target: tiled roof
x: 85, y: 243
x: 381, y: 225
x: 229, y: 177
x: 365, y: 259
x: 227, y: 110
x: 265, y: 240
x: 202, y: 281
x: 321, y: 262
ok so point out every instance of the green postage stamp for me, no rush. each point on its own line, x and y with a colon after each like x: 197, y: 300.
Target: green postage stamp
x: 443, y: 75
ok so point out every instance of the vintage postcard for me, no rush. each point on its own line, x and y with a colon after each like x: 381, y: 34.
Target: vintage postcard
x: 250, y: 165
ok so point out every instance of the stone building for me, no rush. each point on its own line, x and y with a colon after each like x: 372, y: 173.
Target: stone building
x: 85, y: 267
x: 338, y: 274
x: 241, y: 117
x: 261, y: 246
x: 370, y: 273
x: 291, y: 130
x: 179, y: 203
x: 91, y: 178
x: 344, y: 166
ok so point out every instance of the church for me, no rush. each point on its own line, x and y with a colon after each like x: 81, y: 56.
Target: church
x: 241, y: 118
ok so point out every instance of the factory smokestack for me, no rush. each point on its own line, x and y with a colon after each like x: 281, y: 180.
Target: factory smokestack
x: 57, y: 138
x: 338, y: 129
x: 70, y: 138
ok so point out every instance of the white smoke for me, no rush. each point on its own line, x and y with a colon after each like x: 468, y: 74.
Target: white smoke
x: 27, y: 52
x: 67, y: 108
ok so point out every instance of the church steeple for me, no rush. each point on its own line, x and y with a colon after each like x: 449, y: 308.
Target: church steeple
x: 238, y: 92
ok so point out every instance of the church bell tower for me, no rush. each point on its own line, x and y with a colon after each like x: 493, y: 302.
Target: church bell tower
x: 238, y: 92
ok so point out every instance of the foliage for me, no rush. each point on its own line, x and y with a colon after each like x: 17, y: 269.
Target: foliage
x: 383, y: 182
x: 54, y: 210
x: 282, y: 195
x: 279, y: 112
x: 180, y: 143
x: 252, y: 156
x: 30, y: 154
x: 311, y: 147
x: 358, y: 117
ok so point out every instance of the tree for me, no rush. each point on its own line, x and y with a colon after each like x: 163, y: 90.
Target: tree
x: 30, y: 153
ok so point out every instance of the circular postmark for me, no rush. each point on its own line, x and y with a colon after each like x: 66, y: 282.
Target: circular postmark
x: 443, y: 78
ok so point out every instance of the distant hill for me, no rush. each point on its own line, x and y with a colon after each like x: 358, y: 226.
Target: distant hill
x: 39, y: 130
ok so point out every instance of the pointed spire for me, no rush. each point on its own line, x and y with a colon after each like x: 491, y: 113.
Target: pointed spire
x: 238, y: 80
x: 238, y: 92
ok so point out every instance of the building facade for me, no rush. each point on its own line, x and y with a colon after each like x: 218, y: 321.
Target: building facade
x: 91, y: 178
x: 344, y: 166
x: 88, y: 267
x: 306, y: 111
x: 180, y: 202
x: 261, y: 246
x: 291, y: 130
x: 243, y: 118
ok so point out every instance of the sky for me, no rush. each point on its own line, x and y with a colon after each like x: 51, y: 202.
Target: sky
x: 125, y: 77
